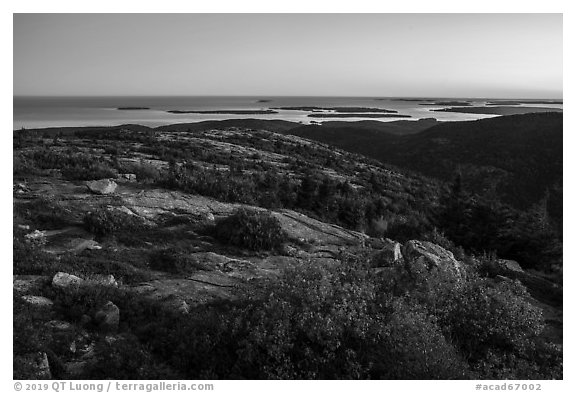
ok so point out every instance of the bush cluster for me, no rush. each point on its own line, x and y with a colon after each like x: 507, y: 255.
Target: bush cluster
x: 251, y: 229
x: 103, y: 222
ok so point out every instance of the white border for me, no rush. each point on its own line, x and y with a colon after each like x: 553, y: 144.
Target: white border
x: 356, y: 6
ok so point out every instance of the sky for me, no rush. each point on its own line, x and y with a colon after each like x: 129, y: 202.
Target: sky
x: 385, y: 55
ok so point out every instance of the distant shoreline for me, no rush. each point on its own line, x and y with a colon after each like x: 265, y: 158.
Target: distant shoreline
x: 499, y: 110
x: 363, y: 115
x: 226, y: 112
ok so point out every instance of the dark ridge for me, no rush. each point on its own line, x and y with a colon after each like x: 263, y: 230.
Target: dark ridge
x: 54, y: 131
x: 517, y: 157
x: 398, y: 127
x: 270, y: 125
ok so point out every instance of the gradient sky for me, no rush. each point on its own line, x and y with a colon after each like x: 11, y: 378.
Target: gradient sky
x: 434, y: 55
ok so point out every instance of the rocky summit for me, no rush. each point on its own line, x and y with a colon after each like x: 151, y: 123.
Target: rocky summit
x: 243, y: 253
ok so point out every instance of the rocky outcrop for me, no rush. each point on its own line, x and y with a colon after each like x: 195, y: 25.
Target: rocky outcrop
x: 421, y: 257
x: 102, y: 187
x: 309, y: 230
x: 152, y: 203
x: 390, y: 254
x: 63, y: 280
x: 108, y: 317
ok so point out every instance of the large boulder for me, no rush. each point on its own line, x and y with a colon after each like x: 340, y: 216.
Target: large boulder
x: 64, y: 280
x: 102, y: 187
x: 421, y: 257
x: 108, y: 317
x: 389, y: 254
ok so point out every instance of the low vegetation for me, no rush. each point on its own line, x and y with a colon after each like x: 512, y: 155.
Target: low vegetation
x: 338, y: 318
x: 251, y: 229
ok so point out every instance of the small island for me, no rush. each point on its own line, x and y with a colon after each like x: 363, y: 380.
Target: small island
x: 448, y: 103
x: 337, y: 109
x: 227, y: 112
x: 366, y: 115
x: 518, y: 102
x: 499, y: 110
x: 406, y: 99
x: 132, y: 108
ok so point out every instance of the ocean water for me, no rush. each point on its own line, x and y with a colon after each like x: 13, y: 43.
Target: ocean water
x: 40, y: 112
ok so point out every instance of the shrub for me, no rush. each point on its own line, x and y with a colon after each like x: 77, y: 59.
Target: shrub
x: 104, y: 222
x: 251, y: 229
x: 126, y: 358
x: 73, y: 303
x: 415, y: 348
x: 483, y: 317
x: 28, y: 258
x: 44, y: 212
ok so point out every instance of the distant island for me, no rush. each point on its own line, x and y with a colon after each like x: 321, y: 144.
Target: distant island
x: 499, y: 110
x: 518, y: 102
x: 228, y: 112
x: 448, y: 103
x: 338, y: 109
x: 264, y: 101
x: 132, y: 108
x: 406, y: 99
x: 360, y: 114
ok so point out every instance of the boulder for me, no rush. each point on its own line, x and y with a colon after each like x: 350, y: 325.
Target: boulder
x: 390, y: 254
x: 39, y: 301
x: 102, y: 187
x: 64, y: 280
x: 32, y: 366
x: 421, y: 257
x: 108, y: 317
x: 510, y: 265
x: 37, y: 237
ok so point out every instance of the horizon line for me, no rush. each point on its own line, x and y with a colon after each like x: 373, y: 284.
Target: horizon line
x: 270, y: 96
